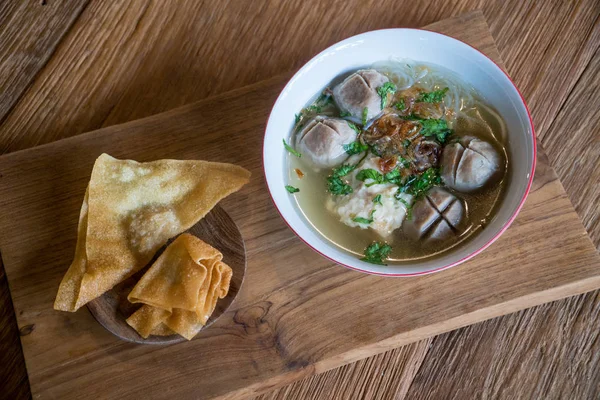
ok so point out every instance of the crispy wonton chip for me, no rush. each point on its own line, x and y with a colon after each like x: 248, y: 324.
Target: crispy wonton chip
x: 162, y: 330
x: 130, y: 210
x: 181, y: 289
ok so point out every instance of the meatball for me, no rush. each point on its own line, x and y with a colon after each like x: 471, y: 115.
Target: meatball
x: 439, y: 215
x: 470, y: 164
x: 322, y: 141
x: 359, y: 91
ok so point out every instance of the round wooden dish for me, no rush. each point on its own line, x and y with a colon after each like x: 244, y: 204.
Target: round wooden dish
x: 217, y: 229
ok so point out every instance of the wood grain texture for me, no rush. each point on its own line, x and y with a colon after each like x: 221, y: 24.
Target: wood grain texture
x: 125, y: 60
x: 545, y: 46
x: 30, y: 32
x: 277, y: 331
x: 383, y: 376
x: 218, y: 230
x: 557, y: 365
x: 548, y: 352
x: 577, y: 126
x: 569, y: 361
x: 551, y: 351
x: 15, y: 384
x: 128, y: 59
x: 29, y: 35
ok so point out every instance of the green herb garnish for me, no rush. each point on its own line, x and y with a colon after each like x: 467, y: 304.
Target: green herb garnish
x: 412, y: 117
x: 344, y: 114
x: 393, y: 176
x: 365, y: 221
x: 400, y: 105
x: 315, y: 108
x: 291, y: 150
x: 375, y: 151
x: 406, y: 143
x: 354, y: 127
x: 324, y: 99
x: 365, y: 113
x: 418, y: 185
x: 431, y: 127
x: 336, y: 184
x: 407, y: 205
x: 432, y: 97
x: 362, y: 220
x: 370, y: 173
x: 343, y: 170
x: 436, y: 128
x: 384, y: 90
x: 355, y: 148
x: 377, y: 252
x: 291, y: 189
x: 377, y: 200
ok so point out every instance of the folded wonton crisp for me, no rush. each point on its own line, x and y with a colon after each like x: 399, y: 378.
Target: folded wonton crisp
x: 181, y: 289
x: 130, y: 210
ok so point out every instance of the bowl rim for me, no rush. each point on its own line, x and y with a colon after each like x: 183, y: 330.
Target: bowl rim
x: 469, y: 256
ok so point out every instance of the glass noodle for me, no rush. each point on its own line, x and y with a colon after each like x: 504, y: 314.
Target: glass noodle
x: 405, y: 73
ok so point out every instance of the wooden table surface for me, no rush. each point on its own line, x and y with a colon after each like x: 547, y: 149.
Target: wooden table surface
x: 71, y: 66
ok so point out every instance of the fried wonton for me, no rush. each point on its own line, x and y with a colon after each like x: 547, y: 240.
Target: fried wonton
x: 130, y: 210
x: 181, y: 289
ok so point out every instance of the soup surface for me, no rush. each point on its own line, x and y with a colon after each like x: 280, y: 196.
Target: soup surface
x: 397, y: 162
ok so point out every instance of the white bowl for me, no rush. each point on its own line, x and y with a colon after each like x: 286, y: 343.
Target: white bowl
x: 419, y: 45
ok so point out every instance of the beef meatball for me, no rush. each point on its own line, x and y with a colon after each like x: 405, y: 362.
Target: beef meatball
x: 439, y: 215
x: 470, y: 164
x: 359, y: 91
x: 322, y: 141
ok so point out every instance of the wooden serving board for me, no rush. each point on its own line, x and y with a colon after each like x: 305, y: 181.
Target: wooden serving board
x: 217, y: 228
x: 297, y: 313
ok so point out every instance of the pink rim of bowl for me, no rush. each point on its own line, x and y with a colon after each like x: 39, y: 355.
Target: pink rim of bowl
x: 357, y: 39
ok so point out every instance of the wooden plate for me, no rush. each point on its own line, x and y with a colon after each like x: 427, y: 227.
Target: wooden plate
x: 217, y: 229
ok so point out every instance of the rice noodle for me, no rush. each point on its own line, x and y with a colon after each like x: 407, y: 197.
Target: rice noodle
x: 406, y: 73
x: 498, y: 118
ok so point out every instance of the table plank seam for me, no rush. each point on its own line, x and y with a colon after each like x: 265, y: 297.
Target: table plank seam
x: 564, y: 103
x: 29, y: 84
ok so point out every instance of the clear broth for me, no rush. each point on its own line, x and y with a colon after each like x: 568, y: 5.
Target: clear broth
x: 477, y: 120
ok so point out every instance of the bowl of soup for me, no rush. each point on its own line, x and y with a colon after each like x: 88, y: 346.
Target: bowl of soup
x: 399, y: 152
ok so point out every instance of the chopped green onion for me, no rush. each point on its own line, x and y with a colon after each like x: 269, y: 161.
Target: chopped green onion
x: 291, y: 150
x: 354, y: 127
x: 400, y: 105
x: 355, y: 148
x: 384, y: 90
x: 407, y: 205
x: 365, y: 221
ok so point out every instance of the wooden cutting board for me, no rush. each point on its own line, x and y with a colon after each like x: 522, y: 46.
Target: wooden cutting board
x: 297, y: 313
